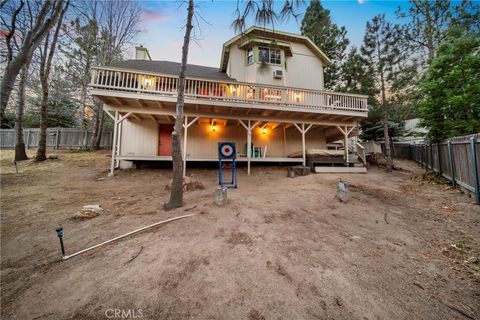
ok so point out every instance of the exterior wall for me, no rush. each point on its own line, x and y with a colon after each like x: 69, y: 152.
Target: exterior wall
x: 303, y: 70
x: 141, y: 139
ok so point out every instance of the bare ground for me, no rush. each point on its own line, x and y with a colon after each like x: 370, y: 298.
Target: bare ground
x: 400, y: 248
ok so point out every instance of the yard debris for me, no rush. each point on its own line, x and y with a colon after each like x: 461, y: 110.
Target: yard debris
x: 135, y: 256
x: 385, y: 217
x: 342, y: 191
x: 53, y: 157
x: 190, y: 183
x: 89, y: 211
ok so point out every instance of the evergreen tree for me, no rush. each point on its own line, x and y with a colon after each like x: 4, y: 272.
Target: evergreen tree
x: 428, y: 21
x: 331, y: 39
x: 381, y: 50
x: 451, y: 88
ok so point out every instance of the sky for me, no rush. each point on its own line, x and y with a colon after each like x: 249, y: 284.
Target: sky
x: 163, y: 21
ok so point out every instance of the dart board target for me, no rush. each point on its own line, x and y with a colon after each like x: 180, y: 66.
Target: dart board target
x: 226, y: 150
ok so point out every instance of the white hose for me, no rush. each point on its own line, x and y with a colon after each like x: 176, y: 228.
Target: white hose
x: 126, y: 234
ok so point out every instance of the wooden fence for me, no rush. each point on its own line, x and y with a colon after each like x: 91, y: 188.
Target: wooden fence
x: 70, y: 138
x: 457, y: 159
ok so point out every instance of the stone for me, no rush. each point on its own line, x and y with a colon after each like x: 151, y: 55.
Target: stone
x: 220, y: 196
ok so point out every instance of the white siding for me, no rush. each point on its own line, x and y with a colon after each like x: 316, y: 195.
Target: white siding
x: 304, y: 69
x: 139, y: 138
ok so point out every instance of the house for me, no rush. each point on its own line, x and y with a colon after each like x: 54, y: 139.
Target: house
x: 267, y: 96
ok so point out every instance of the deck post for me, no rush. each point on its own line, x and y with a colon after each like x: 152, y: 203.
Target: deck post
x: 346, y: 145
x: 114, y: 145
x: 249, y: 146
x: 186, y: 124
x: 304, y: 152
x: 119, y: 142
x: 185, y: 129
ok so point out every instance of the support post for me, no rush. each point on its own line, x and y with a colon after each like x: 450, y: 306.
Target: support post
x: 114, y: 144
x: 346, y: 146
x: 57, y: 138
x: 119, y: 142
x: 304, y: 152
x: 439, y: 159
x: 28, y: 138
x: 249, y: 146
x: 185, y: 130
x: 451, y: 161
x: 476, y: 181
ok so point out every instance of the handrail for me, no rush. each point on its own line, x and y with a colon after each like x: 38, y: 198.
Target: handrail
x: 229, y: 91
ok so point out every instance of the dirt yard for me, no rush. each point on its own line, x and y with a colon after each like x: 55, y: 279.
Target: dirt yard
x: 401, y: 248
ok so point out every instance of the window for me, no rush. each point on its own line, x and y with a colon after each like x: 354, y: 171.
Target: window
x: 268, y: 55
x: 275, y: 56
x: 249, y: 55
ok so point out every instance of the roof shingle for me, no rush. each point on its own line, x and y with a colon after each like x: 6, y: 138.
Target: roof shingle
x: 173, y: 68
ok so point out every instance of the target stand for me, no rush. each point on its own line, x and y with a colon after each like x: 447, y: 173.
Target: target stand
x: 227, y: 155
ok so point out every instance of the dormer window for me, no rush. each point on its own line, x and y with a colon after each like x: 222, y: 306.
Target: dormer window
x: 249, y: 55
x: 268, y: 55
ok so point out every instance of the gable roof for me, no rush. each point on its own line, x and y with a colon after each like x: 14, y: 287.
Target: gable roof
x: 173, y: 68
x: 269, y: 33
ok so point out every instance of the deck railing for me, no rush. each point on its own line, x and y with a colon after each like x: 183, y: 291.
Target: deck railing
x: 221, y: 91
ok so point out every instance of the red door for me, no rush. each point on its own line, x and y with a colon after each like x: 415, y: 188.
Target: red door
x: 165, y: 140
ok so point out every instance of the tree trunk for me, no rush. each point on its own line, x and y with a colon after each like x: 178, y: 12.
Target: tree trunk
x: 98, y: 137
x: 45, y: 64
x: 20, y: 153
x: 42, y: 141
x: 97, y: 124
x: 31, y: 41
x: 176, y: 193
x: 386, y: 137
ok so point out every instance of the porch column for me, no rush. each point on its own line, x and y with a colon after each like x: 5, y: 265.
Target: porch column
x: 303, y: 131
x: 345, y: 133
x: 116, y: 139
x: 185, y: 130
x: 249, y: 128
x: 114, y: 144
x: 346, y: 146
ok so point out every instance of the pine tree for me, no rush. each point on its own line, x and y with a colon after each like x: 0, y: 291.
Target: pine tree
x: 331, y: 39
x: 382, y: 52
x: 451, y: 88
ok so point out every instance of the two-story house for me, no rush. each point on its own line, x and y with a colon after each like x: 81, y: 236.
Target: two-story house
x: 267, y: 96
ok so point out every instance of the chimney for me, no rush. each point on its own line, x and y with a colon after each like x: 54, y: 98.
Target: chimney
x: 141, y: 53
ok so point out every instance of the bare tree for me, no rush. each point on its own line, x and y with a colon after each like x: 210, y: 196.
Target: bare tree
x: 264, y: 13
x: 45, y: 65
x: 176, y: 194
x: 20, y: 152
x: 46, y: 18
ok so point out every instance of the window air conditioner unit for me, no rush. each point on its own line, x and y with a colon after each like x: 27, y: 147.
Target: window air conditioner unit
x: 278, y: 74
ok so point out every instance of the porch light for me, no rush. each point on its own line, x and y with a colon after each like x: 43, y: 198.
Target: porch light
x: 264, y: 130
x: 214, y: 127
x: 297, y: 97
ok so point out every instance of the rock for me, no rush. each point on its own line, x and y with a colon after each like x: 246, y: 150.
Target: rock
x: 220, y: 196
x: 342, y: 191
x: 53, y: 157
x: 89, y: 211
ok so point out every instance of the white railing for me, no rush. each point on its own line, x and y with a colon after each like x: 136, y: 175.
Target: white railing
x: 166, y: 85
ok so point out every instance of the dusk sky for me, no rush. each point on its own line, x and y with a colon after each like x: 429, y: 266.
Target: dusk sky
x: 163, y: 22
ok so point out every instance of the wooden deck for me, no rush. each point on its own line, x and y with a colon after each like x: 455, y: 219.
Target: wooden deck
x: 193, y: 159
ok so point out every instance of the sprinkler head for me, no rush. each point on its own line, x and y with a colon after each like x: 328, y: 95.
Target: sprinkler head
x: 59, y: 231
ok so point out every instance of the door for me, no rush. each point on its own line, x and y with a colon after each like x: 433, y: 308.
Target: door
x: 165, y: 139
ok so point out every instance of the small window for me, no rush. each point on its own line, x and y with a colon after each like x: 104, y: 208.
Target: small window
x: 249, y: 55
x: 263, y: 55
x: 275, y: 56
x: 268, y: 55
